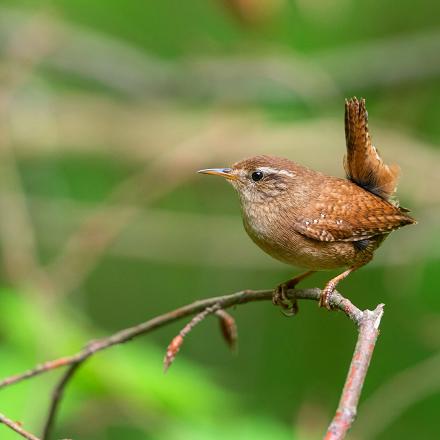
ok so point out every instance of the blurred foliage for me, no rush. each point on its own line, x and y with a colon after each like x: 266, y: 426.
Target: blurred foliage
x: 107, y: 108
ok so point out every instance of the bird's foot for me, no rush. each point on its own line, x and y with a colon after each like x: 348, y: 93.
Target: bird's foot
x: 289, y: 306
x: 324, y: 299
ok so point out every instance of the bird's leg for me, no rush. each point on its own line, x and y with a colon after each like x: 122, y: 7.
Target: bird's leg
x: 289, y: 306
x: 331, y: 285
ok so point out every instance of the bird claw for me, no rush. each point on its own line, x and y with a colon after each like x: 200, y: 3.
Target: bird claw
x: 289, y: 306
x: 324, y: 299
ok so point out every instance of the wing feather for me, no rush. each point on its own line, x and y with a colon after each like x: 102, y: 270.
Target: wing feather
x: 344, y: 212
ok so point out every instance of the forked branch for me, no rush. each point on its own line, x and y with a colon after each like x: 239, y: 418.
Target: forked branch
x: 366, y: 321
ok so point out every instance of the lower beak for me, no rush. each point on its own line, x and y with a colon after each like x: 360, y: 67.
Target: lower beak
x: 224, y: 172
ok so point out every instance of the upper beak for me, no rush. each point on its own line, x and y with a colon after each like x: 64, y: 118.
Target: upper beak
x: 224, y: 172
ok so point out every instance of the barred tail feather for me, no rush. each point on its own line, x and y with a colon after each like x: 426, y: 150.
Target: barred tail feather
x: 363, y: 164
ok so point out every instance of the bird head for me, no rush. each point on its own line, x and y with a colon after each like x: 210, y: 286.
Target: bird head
x: 260, y: 179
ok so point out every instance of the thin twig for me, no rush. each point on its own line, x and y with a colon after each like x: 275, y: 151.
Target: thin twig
x: 135, y: 331
x: 176, y: 343
x: 17, y: 428
x: 57, y: 395
x: 366, y: 321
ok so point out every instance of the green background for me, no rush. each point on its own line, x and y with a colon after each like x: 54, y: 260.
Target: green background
x: 107, y: 110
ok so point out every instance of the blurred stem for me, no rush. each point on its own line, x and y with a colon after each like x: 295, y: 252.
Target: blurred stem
x: 86, y: 246
x: 24, y: 51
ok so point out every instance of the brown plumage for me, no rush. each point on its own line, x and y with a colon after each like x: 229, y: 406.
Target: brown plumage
x: 308, y: 219
x: 362, y: 163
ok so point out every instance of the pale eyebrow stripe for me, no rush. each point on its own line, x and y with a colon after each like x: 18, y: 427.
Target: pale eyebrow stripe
x: 276, y: 171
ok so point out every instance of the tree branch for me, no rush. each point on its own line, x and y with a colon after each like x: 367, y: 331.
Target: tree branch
x: 366, y: 321
x: 346, y: 412
x: 17, y: 428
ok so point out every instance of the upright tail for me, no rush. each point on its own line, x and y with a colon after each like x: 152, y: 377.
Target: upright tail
x: 363, y: 164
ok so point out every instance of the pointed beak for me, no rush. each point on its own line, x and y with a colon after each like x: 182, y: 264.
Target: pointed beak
x: 224, y: 172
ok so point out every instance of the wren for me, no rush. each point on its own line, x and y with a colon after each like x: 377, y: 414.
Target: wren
x: 318, y: 222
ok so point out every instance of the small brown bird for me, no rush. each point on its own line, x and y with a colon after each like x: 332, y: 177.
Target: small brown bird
x: 307, y: 219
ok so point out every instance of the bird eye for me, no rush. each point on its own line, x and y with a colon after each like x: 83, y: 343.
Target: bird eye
x: 257, y: 175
